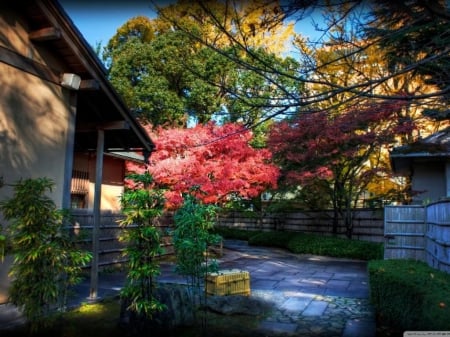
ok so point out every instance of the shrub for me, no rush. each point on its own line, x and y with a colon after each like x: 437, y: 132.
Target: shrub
x: 192, y: 236
x: 46, y: 260
x: 302, y: 243
x: 142, y: 205
x: 410, y: 295
x: 270, y: 239
x: 234, y: 233
x: 335, y: 247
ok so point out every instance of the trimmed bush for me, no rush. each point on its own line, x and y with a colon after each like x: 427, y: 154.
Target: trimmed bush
x: 302, y: 243
x: 334, y: 247
x: 270, y: 239
x: 234, y: 233
x: 410, y: 295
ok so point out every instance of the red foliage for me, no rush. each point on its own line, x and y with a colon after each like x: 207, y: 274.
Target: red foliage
x: 218, y: 160
x: 315, y: 145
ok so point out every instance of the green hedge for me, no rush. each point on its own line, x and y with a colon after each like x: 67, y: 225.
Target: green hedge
x: 271, y: 239
x: 336, y: 247
x: 410, y: 295
x: 305, y: 243
x: 234, y: 233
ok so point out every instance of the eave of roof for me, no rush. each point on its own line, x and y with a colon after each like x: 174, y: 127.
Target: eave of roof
x: 435, y: 147
x: 94, y: 107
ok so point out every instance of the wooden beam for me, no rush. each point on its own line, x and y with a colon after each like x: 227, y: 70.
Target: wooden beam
x: 89, y: 85
x: 45, y: 34
x: 114, y: 125
x: 28, y: 65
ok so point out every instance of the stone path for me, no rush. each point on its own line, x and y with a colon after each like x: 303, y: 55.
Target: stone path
x: 310, y: 295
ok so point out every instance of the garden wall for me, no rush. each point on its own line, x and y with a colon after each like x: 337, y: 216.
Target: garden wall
x: 409, y: 232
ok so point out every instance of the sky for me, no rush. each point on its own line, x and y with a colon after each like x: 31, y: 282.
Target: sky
x: 99, y: 20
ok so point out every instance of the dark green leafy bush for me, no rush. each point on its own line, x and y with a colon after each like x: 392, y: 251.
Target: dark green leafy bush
x: 270, y: 239
x: 302, y: 243
x: 336, y: 247
x: 234, y: 233
x: 141, y: 205
x: 410, y: 295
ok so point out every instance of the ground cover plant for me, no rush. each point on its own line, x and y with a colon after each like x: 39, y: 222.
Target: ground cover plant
x: 410, y: 295
x: 234, y: 233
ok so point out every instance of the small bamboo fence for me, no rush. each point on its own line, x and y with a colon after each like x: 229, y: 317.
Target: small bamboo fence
x: 438, y: 236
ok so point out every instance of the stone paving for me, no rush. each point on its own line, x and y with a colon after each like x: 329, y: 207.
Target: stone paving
x: 311, y: 295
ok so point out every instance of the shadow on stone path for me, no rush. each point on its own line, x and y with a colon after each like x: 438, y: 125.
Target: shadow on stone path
x: 309, y: 295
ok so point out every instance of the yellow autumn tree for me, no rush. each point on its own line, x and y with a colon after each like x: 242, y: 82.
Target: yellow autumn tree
x: 251, y: 23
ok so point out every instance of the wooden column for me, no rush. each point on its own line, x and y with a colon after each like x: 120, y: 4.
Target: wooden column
x: 447, y: 179
x: 93, y: 294
x: 70, y: 140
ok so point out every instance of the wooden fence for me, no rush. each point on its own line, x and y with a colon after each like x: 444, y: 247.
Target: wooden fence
x: 110, y: 247
x: 409, y: 232
x: 367, y: 223
x: 404, y: 230
x: 419, y: 233
x: 438, y: 236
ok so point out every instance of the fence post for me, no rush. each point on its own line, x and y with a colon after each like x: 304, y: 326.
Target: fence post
x: 93, y: 292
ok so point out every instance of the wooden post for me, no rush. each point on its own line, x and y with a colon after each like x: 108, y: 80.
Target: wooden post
x: 70, y: 140
x: 93, y: 295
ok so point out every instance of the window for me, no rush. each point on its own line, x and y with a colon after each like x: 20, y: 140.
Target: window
x: 79, y: 189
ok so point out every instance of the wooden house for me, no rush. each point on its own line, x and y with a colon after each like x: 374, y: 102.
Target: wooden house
x: 427, y: 163
x: 60, y: 117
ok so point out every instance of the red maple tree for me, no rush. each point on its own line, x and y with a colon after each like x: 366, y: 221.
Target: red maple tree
x: 336, y: 150
x: 211, y: 160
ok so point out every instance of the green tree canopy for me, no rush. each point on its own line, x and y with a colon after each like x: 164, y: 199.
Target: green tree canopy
x: 166, y: 76
x: 348, y: 26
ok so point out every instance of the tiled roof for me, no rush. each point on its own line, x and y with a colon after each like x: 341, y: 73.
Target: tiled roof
x: 437, y: 144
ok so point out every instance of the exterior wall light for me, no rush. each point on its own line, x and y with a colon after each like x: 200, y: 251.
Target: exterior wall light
x: 70, y: 81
